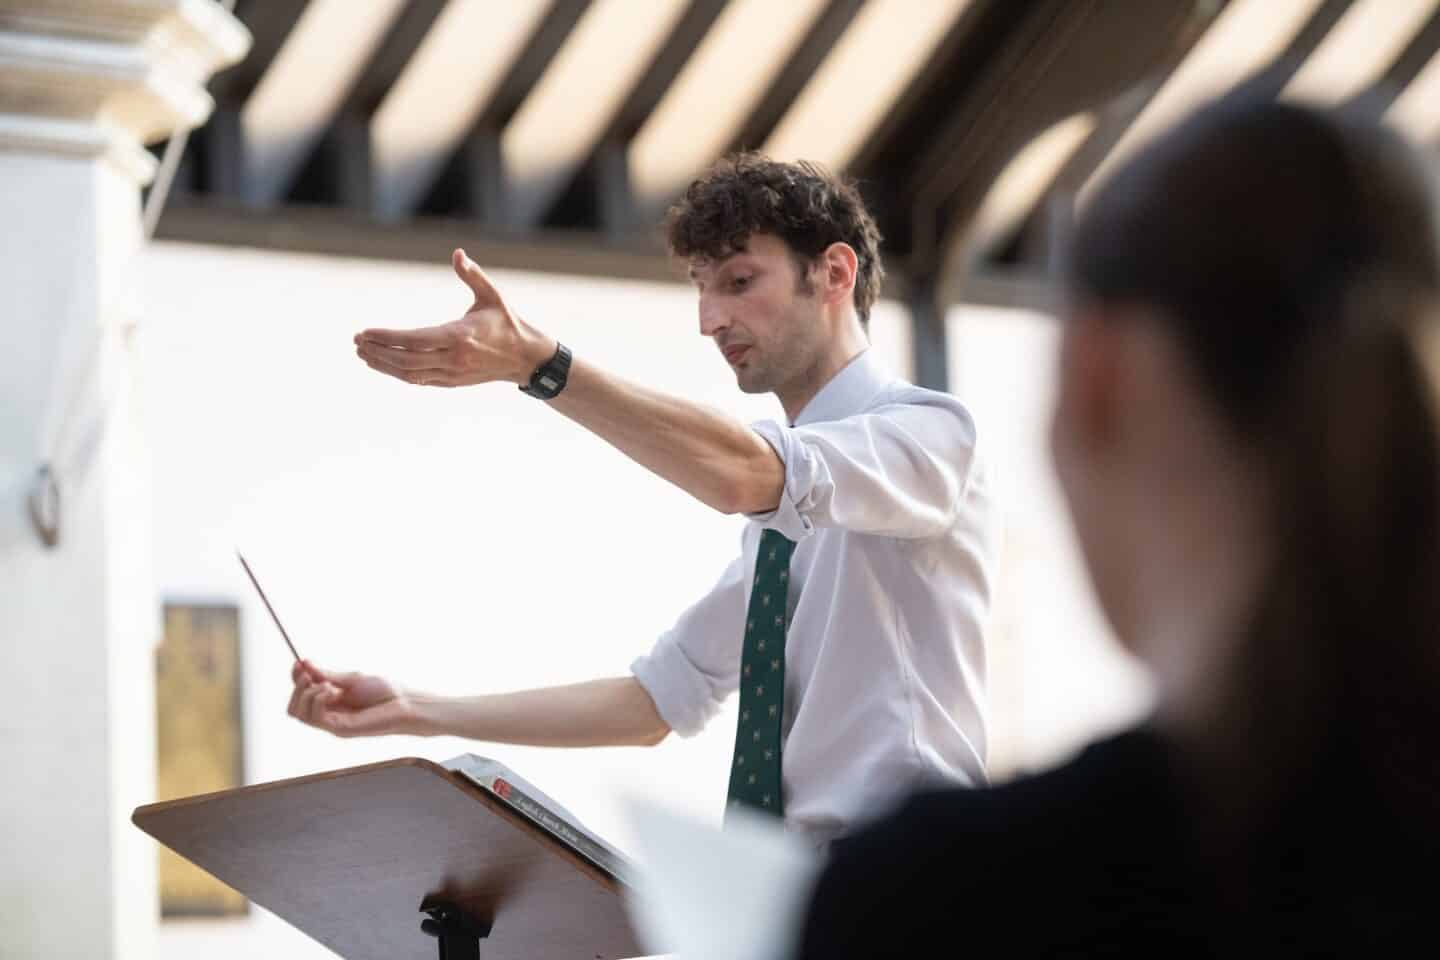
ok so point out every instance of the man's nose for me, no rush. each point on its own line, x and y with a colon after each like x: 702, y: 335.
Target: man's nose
x: 712, y: 318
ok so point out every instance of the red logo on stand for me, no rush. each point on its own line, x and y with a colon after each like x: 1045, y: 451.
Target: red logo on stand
x: 502, y: 788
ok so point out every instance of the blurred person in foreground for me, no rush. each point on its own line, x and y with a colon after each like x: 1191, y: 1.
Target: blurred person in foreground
x: 851, y: 622
x: 1246, y: 435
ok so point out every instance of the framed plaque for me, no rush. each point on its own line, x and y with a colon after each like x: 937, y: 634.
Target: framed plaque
x: 200, y: 749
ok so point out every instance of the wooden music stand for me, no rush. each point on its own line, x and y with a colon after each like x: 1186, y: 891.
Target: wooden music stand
x: 361, y: 858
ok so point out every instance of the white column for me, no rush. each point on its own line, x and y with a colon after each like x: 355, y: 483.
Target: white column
x: 84, y: 84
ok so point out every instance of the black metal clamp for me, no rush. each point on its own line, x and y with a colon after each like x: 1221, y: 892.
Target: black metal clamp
x: 458, y: 932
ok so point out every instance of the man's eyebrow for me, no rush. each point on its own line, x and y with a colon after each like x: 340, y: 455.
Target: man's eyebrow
x: 716, y: 262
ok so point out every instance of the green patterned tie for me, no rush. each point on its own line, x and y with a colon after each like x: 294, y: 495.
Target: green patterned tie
x: 755, y: 772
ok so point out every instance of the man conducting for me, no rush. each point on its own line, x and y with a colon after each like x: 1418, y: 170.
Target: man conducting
x: 851, y: 622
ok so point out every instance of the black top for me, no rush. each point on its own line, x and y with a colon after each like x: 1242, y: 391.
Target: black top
x: 1098, y: 857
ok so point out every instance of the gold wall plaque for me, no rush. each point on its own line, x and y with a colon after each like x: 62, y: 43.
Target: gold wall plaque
x: 197, y: 693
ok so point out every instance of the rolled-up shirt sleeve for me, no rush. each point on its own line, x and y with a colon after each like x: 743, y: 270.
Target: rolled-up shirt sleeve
x: 695, y: 665
x: 899, y: 470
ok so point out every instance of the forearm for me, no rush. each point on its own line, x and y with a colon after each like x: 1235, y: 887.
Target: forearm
x: 608, y: 712
x: 713, y: 457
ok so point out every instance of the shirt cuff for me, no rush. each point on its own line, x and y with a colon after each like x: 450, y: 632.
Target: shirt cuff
x: 681, y: 693
x: 800, y: 471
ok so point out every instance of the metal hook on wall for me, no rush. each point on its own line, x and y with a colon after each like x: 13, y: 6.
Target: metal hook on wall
x: 44, y: 503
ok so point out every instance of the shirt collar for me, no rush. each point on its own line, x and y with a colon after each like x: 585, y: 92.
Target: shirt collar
x: 847, y: 393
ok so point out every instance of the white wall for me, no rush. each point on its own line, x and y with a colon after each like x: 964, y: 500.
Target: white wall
x: 471, y: 540
x: 1058, y: 680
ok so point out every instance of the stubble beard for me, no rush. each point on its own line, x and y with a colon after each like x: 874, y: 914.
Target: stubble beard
x: 771, y: 369
x: 771, y: 372
x: 755, y: 377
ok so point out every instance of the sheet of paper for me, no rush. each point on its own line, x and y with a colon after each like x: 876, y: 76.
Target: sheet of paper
x: 707, y: 894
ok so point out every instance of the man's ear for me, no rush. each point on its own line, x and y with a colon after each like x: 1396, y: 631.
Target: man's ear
x: 837, y: 267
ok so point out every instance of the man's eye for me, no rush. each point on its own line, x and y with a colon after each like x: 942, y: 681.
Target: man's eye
x: 740, y: 283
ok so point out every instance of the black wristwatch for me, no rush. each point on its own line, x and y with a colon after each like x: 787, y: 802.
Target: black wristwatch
x: 549, y: 378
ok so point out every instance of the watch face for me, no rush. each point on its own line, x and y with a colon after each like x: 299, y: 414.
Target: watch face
x: 549, y: 378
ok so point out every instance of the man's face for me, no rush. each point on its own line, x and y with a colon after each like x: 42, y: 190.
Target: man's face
x: 759, y: 308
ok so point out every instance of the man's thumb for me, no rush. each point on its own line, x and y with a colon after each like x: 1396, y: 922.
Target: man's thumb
x: 473, y: 277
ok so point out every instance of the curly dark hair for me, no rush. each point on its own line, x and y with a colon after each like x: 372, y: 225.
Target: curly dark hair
x: 802, y: 204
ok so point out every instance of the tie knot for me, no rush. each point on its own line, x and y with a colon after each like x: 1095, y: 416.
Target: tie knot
x: 775, y: 550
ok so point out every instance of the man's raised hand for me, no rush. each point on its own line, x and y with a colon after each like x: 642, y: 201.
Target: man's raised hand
x: 487, y: 344
x: 348, y: 704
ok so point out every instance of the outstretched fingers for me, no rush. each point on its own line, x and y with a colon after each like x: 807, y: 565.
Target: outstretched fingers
x: 426, y: 376
x: 421, y: 340
x: 404, y: 359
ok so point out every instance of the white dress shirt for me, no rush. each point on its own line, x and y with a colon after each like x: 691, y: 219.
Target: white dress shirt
x: 895, y: 529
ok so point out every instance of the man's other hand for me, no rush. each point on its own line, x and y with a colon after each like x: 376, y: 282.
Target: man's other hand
x: 347, y: 704
x: 489, y: 343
